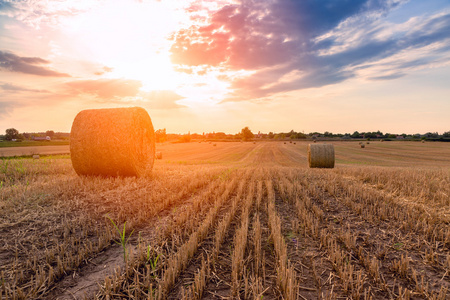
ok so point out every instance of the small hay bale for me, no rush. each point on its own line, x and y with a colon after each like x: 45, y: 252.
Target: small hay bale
x: 315, y: 141
x: 423, y: 141
x: 363, y: 145
x: 360, y: 143
x: 158, y: 155
x: 214, y: 144
x: 254, y: 142
x: 284, y: 142
x: 112, y: 142
x: 321, y: 156
x: 368, y: 143
x: 36, y: 156
x: 295, y: 143
x: 381, y: 140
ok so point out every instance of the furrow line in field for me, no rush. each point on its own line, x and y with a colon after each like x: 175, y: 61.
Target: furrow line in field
x: 287, y: 276
x: 315, y: 272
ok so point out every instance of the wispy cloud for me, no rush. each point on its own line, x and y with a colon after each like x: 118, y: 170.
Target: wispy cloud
x: 27, y: 65
x: 9, y: 87
x: 161, y: 99
x: 292, y: 45
x: 105, y: 88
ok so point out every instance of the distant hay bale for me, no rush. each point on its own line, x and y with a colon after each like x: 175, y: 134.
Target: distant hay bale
x: 254, y: 142
x: 158, y: 155
x: 112, y: 142
x: 321, y: 156
x: 285, y: 142
x: 363, y: 145
x: 381, y: 140
x: 360, y: 143
x: 36, y: 156
x: 368, y: 143
x: 295, y: 143
x: 315, y: 141
x: 423, y: 141
x: 214, y: 144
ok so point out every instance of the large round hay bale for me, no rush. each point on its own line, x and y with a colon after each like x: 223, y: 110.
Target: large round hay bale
x: 321, y: 156
x: 112, y: 142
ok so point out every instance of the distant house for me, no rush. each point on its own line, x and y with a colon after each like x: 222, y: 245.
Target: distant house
x: 41, y: 138
x: 400, y: 137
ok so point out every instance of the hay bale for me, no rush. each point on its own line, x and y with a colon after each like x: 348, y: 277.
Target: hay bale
x: 295, y: 143
x: 315, y: 141
x: 112, y: 142
x: 368, y: 143
x: 214, y: 144
x: 284, y: 142
x: 158, y: 155
x: 36, y: 156
x: 381, y: 140
x: 363, y: 145
x: 423, y: 141
x: 321, y: 156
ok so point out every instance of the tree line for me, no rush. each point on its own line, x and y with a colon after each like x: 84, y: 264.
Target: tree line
x: 245, y: 134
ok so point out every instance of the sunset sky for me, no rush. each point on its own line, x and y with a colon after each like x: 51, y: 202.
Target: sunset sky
x: 204, y: 66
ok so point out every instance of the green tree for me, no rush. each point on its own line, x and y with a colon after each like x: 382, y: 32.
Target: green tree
x: 50, y: 133
x: 160, y: 135
x: 11, y: 133
x: 246, y: 134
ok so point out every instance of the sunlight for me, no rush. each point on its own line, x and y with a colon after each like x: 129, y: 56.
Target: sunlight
x: 130, y: 39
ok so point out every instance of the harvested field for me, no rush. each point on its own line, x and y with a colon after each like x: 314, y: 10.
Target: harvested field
x: 239, y: 220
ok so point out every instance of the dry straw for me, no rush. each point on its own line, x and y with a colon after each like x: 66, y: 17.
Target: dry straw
x: 158, y: 155
x: 112, y: 142
x: 321, y: 156
x: 363, y: 145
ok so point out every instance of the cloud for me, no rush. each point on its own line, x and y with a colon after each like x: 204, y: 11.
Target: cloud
x: 15, y: 88
x: 321, y: 42
x: 105, y: 88
x: 163, y: 99
x: 104, y: 70
x: 27, y: 65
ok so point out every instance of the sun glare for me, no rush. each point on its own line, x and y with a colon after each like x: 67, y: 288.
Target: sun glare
x: 132, y: 39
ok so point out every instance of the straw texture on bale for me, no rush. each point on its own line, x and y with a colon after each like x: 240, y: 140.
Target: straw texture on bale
x: 363, y: 145
x: 321, y: 156
x: 158, y: 155
x: 112, y: 142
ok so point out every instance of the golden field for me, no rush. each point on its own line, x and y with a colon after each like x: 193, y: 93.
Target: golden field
x: 232, y: 220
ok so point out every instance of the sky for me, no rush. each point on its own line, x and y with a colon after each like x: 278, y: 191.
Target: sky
x: 204, y: 66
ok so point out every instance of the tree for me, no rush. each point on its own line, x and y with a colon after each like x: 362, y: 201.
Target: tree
x: 160, y: 135
x: 446, y: 134
x: 50, y: 133
x: 11, y: 133
x: 246, y: 134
